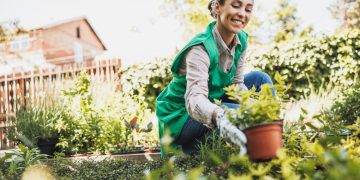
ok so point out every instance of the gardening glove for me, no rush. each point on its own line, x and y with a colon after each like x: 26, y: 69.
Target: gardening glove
x: 230, y: 132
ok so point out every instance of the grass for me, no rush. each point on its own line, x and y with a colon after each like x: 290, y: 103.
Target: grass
x: 310, y: 105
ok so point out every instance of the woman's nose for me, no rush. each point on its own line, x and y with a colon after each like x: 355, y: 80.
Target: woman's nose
x: 241, y: 12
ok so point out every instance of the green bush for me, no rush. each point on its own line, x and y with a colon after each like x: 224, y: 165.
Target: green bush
x: 346, y: 109
x: 13, y: 164
x: 34, y: 123
x: 330, y: 59
x: 147, y: 80
x: 102, y: 119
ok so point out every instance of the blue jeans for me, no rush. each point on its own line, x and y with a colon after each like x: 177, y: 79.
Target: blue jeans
x: 194, y: 133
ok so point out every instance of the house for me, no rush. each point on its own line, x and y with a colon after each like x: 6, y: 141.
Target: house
x: 66, y: 42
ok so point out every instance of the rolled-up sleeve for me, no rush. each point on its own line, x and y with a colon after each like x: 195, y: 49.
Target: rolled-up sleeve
x: 196, y: 97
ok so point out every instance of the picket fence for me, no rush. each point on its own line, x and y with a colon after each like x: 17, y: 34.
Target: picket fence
x: 30, y: 88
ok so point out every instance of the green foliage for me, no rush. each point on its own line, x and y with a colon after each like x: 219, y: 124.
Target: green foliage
x: 288, y: 22
x: 215, y: 150
x: 147, y: 80
x: 331, y: 59
x: 104, y: 169
x: 13, y: 164
x: 33, y: 123
x: 344, y: 111
x: 256, y: 107
x: 102, y: 126
x: 193, y: 15
x: 303, y: 157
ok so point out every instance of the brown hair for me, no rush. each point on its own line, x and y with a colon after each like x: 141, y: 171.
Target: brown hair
x: 211, y: 6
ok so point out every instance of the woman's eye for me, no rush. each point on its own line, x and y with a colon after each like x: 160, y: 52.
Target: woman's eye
x: 235, y: 6
x: 248, y: 10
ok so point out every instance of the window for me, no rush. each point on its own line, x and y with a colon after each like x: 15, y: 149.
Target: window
x: 78, y: 32
x: 78, y: 53
x: 20, y: 43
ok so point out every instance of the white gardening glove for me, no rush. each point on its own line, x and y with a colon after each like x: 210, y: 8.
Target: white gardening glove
x: 229, y: 132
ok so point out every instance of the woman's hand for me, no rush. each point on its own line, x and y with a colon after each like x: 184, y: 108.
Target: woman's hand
x: 229, y: 132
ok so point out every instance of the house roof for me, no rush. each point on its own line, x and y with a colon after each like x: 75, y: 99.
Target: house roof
x: 58, y: 23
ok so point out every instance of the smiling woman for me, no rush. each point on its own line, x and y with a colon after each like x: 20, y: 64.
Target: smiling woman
x: 231, y: 15
x: 211, y: 61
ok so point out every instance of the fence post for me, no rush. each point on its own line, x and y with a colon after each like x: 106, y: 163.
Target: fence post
x: 14, y: 92
x: 32, y: 88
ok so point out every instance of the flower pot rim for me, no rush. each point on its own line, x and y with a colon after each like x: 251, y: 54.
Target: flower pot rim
x: 275, y: 122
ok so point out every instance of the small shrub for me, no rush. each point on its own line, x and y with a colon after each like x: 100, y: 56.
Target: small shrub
x: 103, y: 120
x: 33, y: 123
x: 13, y: 164
x: 346, y: 109
x: 256, y: 107
x: 147, y: 80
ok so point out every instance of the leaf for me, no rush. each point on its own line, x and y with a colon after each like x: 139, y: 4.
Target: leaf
x: 150, y: 126
x: 279, y: 79
x: 133, y: 122
x: 310, y: 125
x: 304, y: 111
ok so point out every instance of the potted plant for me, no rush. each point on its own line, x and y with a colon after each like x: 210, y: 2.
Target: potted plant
x: 34, y: 126
x: 259, y: 118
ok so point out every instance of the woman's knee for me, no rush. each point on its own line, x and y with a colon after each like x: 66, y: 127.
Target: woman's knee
x: 263, y: 77
x: 192, y: 130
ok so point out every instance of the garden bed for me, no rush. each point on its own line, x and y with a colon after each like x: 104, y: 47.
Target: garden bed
x: 136, y: 156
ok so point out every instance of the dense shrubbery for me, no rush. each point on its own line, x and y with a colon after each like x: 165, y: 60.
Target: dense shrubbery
x: 147, y: 80
x: 34, y: 123
x: 89, y: 117
x: 102, y: 120
x: 334, y: 59
x: 345, y: 110
x: 13, y: 164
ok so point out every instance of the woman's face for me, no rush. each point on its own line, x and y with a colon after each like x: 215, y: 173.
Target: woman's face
x: 234, y: 15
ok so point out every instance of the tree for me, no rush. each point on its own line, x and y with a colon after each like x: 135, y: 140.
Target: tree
x: 194, y: 16
x: 9, y: 30
x: 347, y: 11
x: 286, y: 19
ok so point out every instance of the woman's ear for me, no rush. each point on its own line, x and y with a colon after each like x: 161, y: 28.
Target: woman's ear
x: 217, y: 9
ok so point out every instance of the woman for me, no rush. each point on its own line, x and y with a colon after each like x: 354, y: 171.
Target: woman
x: 211, y: 61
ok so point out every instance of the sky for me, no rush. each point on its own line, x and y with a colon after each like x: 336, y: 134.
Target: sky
x: 137, y: 30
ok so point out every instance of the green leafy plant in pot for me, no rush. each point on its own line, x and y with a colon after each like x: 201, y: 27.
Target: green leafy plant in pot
x: 34, y: 126
x: 259, y: 118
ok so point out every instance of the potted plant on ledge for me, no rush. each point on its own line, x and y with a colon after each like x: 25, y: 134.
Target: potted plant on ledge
x: 34, y: 127
x: 259, y: 118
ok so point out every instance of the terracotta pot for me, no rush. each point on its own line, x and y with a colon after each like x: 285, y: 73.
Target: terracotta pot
x: 264, y: 140
x: 280, y: 122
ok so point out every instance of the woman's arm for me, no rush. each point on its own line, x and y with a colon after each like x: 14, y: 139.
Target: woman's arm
x: 197, y: 74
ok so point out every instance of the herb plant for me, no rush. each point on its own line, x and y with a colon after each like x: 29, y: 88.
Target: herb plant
x: 34, y: 123
x: 256, y: 107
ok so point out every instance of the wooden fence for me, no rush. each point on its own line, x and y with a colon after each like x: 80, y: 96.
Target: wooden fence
x: 30, y: 88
